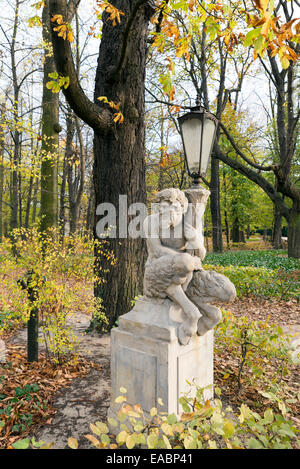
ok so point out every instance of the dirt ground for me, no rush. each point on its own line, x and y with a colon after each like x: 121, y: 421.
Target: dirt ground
x: 86, y: 400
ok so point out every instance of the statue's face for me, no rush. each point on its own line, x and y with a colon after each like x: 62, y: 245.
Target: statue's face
x: 171, y: 213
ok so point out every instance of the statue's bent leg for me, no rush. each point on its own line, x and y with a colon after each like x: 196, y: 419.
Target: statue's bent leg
x: 187, y: 281
x: 211, y: 316
x: 207, y: 286
x: 189, y: 326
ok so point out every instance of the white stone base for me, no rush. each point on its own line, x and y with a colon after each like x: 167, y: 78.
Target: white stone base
x: 2, y: 352
x: 148, y: 361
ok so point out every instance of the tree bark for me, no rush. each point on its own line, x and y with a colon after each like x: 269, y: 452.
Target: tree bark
x: 16, y: 154
x: 235, y: 231
x: 119, y: 166
x: 62, y: 203
x: 90, y: 216
x: 226, y: 210
x: 29, y: 199
x: 20, y: 195
x: 50, y: 135
x: 76, y: 180
x: 294, y: 231
x: 277, y: 229
x: 121, y: 153
x: 67, y: 160
x: 35, y: 200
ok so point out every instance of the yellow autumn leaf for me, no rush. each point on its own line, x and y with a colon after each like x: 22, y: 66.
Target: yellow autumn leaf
x: 70, y: 36
x: 119, y: 118
x: 93, y: 440
x: 57, y: 19
x: 72, y: 443
x: 285, y: 63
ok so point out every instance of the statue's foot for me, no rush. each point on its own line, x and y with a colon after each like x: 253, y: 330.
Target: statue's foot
x: 211, y: 316
x: 184, y: 336
x: 202, y: 327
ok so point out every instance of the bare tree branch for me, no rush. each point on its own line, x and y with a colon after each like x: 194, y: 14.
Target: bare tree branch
x: 241, y: 154
x: 99, y: 118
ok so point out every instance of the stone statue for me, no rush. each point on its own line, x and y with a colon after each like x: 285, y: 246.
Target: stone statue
x: 174, y: 266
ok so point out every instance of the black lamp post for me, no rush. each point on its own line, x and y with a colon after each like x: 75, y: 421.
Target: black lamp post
x: 198, y: 129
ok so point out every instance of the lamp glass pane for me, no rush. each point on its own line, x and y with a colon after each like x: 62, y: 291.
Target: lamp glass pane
x: 208, y: 140
x: 191, y: 133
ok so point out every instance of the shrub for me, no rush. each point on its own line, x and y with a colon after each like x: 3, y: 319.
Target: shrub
x: 201, y: 426
x: 254, y: 345
x: 271, y: 259
x: 63, y: 277
x: 260, y: 281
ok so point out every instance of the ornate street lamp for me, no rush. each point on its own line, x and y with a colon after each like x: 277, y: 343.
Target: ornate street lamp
x: 198, y: 129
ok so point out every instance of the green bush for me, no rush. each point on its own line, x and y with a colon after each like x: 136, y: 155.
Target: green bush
x: 63, y: 277
x: 272, y: 259
x: 260, y: 281
x: 253, y: 344
x: 260, y: 273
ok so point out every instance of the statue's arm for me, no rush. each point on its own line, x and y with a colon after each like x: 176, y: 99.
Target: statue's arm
x: 151, y: 229
x: 193, y: 237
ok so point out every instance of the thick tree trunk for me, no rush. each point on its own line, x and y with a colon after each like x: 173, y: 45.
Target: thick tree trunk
x: 277, y: 229
x: 16, y: 138
x: 50, y: 132
x: 215, y: 210
x: 90, y: 216
x: 119, y: 166
x: 242, y: 236
x: 66, y: 168
x: 226, y: 211
x: 62, y: 204
x: 235, y: 231
x: 294, y: 231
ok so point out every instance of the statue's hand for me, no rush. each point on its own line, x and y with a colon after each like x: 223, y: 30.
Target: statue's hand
x: 190, y: 232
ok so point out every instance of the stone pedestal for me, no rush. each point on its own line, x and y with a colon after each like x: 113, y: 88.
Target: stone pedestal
x: 2, y: 352
x: 148, y: 361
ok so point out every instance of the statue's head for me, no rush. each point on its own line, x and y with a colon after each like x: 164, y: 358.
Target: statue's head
x: 171, y: 204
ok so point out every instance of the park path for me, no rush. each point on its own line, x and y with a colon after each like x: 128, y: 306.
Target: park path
x: 86, y: 400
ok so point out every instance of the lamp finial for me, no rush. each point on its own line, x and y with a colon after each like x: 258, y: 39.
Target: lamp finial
x: 198, y: 99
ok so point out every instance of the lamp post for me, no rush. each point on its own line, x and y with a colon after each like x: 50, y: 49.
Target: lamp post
x: 198, y: 129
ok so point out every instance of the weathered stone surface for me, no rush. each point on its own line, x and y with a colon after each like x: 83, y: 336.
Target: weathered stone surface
x: 2, y: 352
x: 147, y: 359
x: 174, y: 266
x: 166, y: 341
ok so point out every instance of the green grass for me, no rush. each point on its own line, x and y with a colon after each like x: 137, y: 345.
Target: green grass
x: 272, y: 259
x: 7, y: 319
x: 258, y: 273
